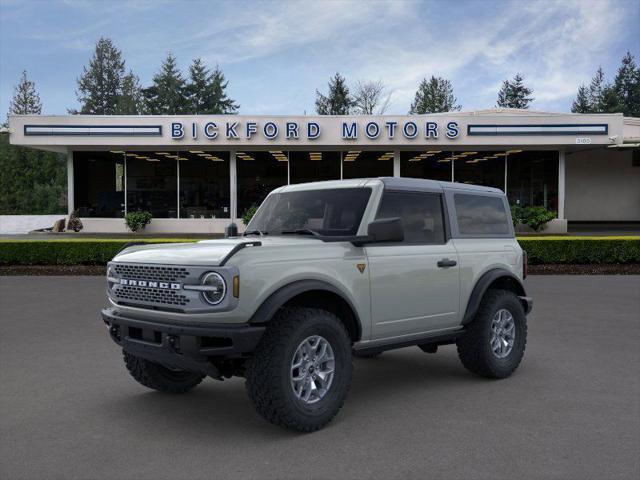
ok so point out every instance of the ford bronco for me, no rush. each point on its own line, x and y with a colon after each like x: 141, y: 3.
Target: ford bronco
x: 323, y: 272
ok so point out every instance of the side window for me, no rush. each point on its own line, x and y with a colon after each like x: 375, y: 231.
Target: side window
x: 421, y: 215
x: 481, y: 215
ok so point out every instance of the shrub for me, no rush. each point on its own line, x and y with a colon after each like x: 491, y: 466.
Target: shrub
x: 581, y: 250
x: 534, y: 217
x: 137, y: 220
x: 73, y: 251
x: 74, y: 222
x: 249, y: 213
x: 537, y: 217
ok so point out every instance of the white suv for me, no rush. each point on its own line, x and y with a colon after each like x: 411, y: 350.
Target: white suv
x: 325, y: 271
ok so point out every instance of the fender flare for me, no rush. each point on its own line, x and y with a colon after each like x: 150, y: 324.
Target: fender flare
x: 483, y: 284
x: 277, y: 299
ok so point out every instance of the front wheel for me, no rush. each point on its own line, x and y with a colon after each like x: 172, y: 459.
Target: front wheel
x: 301, y: 370
x: 494, y: 342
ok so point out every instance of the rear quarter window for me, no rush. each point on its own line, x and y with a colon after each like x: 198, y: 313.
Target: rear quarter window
x: 481, y: 215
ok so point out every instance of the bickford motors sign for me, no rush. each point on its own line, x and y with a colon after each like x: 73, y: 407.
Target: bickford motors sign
x: 294, y: 130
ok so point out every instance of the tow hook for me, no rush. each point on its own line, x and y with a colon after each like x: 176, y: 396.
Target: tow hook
x: 174, y: 343
x: 114, y: 331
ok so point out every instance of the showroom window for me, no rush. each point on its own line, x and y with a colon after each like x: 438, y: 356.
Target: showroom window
x: 152, y: 183
x: 480, y: 168
x: 532, y: 178
x: 204, y: 184
x: 431, y: 164
x: 365, y: 164
x: 314, y: 166
x: 99, y: 184
x: 257, y: 174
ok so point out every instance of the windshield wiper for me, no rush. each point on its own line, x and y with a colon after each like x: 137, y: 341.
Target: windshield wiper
x: 300, y: 231
x: 254, y: 232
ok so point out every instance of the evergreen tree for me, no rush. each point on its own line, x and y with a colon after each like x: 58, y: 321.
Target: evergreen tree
x: 218, y: 101
x: 100, y: 85
x: 514, y: 94
x: 627, y: 86
x: 581, y: 104
x: 130, y: 101
x: 25, y: 99
x: 167, y: 95
x: 434, y: 95
x: 596, y: 91
x: 338, y: 101
x: 196, y: 89
x: 206, y: 91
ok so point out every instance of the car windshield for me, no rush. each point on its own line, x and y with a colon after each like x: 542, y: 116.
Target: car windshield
x: 327, y: 212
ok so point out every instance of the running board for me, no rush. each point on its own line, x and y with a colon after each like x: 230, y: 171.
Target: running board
x: 435, y: 340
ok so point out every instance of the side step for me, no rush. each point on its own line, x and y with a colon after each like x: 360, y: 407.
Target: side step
x: 428, y: 343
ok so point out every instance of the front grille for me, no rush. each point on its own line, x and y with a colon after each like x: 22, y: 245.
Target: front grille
x: 150, y: 295
x: 151, y: 272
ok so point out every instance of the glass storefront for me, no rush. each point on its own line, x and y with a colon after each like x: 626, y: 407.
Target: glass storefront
x: 432, y: 164
x: 204, y: 184
x: 258, y: 173
x: 532, y: 178
x: 196, y: 184
x: 152, y: 184
x: 99, y: 184
x: 479, y: 168
x: 314, y: 166
x: 366, y: 164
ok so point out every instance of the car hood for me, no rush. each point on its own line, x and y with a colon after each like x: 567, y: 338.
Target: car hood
x: 206, y: 252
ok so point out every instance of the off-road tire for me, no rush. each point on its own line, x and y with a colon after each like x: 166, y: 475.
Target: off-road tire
x: 268, y: 380
x: 157, y: 377
x: 474, y: 347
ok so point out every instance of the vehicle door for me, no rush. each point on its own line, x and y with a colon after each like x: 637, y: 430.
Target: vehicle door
x: 414, y: 283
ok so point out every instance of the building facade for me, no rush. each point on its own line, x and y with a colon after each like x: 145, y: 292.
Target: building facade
x: 195, y: 174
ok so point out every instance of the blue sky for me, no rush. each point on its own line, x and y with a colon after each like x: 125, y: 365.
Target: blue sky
x: 275, y: 54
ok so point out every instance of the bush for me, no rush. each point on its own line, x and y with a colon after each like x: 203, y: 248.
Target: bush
x: 581, y: 250
x: 72, y: 251
x: 74, y: 223
x: 137, y: 220
x: 249, y: 213
x: 534, y: 217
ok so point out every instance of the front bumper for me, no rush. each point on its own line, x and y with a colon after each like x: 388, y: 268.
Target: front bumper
x: 192, y: 348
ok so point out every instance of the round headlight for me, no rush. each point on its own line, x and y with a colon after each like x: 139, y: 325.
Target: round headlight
x: 216, y: 288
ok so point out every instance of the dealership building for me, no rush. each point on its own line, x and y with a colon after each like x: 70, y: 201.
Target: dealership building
x: 197, y: 173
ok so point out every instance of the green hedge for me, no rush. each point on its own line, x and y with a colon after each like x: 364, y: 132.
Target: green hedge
x: 570, y: 250
x: 581, y: 250
x: 66, y: 252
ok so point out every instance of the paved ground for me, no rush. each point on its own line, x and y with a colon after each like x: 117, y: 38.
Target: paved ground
x: 69, y: 410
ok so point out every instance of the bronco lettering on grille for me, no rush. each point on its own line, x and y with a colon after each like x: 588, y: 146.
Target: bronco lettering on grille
x: 150, y: 284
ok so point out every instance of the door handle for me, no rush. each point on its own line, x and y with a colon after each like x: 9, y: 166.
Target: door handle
x: 446, y: 263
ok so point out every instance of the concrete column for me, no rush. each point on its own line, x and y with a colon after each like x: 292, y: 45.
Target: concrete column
x: 233, y: 186
x: 561, y: 182
x: 396, y: 163
x: 70, y: 183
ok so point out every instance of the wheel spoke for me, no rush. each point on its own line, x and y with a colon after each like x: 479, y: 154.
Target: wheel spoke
x: 312, y: 369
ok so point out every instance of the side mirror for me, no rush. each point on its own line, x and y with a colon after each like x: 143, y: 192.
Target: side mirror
x: 386, y: 230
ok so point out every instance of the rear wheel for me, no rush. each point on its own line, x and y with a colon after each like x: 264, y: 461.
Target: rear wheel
x: 300, y: 374
x: 157, y: 377
x: 494, y: 342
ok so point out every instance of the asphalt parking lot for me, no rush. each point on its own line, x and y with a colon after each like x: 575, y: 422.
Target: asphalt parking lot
x: 69, y: 410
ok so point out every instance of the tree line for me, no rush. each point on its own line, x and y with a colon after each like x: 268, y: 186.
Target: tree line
x: 106, y: 88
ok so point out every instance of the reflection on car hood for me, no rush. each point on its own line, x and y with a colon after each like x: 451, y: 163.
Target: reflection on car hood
x: 206, y: 252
